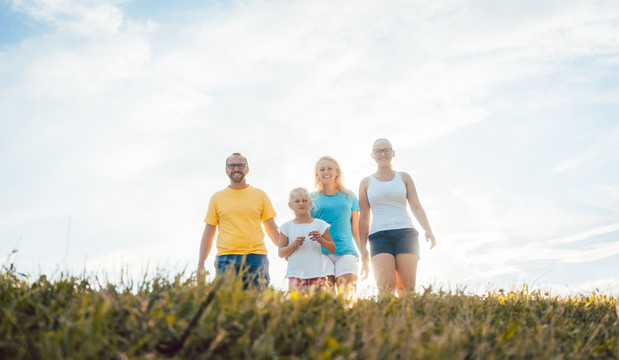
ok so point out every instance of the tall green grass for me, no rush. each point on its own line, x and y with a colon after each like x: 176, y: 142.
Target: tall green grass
x: 77, y: 317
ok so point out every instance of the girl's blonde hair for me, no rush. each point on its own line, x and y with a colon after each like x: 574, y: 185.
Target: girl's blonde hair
x: 299, y: 190
x: 339, y: 178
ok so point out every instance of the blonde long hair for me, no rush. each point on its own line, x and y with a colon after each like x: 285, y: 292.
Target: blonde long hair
x: 339, y: 178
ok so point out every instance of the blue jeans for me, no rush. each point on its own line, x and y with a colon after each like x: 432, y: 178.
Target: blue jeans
x: 253, y: 267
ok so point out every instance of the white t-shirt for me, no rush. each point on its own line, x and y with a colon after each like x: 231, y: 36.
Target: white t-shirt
x: 306, y: 261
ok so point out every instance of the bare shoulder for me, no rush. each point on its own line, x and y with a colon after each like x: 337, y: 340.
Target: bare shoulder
x: 364, y: 182
x: 406, y: 177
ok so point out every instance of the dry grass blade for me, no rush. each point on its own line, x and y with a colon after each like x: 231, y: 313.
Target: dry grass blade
x: 172, y: 346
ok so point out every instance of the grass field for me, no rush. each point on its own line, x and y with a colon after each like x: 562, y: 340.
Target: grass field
x: 79, y: 317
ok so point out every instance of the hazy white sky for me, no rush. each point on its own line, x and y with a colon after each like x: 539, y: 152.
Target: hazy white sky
x: 116, y: 118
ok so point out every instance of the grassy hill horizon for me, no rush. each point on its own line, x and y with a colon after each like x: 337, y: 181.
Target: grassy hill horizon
x: 83, y: 317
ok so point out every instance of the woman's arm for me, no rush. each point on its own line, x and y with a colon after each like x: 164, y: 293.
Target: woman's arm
x: 365, y: 265
x: 354, y: 226
x: 364, y: 218
x: 417, y: 209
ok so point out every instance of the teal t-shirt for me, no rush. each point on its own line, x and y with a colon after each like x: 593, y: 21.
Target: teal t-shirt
x: 337, y: 211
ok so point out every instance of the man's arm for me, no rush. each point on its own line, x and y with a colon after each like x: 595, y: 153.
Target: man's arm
x: 271, y: 227
x: 207, y: 243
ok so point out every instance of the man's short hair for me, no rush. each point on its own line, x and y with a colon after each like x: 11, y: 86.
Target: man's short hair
x: 236, y: 154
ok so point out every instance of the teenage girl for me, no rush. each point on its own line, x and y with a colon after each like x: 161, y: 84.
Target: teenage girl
x: 394, y: 244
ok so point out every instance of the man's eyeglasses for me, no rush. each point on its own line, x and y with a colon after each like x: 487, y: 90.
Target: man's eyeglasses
x: 238, y: 166
x: 386, y: 151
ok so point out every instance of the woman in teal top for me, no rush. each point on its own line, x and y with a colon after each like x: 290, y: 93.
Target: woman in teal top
x: 339, y: 207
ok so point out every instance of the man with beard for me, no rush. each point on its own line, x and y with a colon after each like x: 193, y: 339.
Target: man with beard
x: 237, y: 212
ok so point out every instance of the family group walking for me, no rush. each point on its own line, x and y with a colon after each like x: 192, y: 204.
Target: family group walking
x: 329, y: 226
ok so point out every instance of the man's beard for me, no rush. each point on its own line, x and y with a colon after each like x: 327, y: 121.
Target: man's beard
x: 232, y: 176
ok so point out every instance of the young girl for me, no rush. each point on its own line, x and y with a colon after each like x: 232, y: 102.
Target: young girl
x: 300, y: 241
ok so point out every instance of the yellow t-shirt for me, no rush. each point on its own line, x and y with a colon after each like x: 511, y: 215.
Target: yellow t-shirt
x: 238, y: 215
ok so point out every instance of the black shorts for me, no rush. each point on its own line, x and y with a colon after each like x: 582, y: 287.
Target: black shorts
x: 397, y: 241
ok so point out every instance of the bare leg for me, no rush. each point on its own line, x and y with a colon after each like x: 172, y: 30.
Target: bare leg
x: 330, y: 284
x: 347, y: 286
x: 406, y: 268
x: 384, y: 267
x: 398, y: 279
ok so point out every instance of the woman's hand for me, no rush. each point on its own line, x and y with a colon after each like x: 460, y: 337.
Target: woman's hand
x: 365, y: 268
x: 430, y: 238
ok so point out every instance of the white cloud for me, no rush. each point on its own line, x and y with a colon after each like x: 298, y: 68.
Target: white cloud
x: 523, y: 215
x: 607, y: 287
x: 604, y: 149
x: 477, y: 259
x: 589, y: 253
x: 501, y: 251
x: 82, y: 17
x: 586, y: 234
x: 467, y: 258
x: 65, y: 72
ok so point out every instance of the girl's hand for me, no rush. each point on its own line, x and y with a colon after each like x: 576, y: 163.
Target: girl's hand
x: 299, y: 241
x: 315, y: 236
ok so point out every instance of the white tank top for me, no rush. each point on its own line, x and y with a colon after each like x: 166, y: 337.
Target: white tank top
x: 388, y: 203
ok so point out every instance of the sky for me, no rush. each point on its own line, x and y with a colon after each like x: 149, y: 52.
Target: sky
x: 116, y: 118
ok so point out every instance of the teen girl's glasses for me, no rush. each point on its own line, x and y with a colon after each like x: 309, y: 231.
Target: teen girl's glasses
x: 386, y: 151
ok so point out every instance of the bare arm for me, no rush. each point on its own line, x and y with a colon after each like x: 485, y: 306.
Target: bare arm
x: 206, y: 244
x: 365, y: 266
x: 285, y: 248
x: 325, y: 240
x: 417, y: 209
x: 271, y: 227
x: 364, y: 218
x: 354, y: 225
